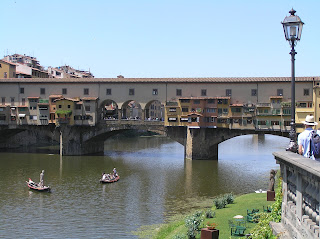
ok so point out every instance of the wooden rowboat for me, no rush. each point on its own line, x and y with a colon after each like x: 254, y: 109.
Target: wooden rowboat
x: 35, y: 186
x: 110, y: 180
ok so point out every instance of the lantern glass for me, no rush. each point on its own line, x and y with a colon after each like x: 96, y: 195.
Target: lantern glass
x: 292, y: 26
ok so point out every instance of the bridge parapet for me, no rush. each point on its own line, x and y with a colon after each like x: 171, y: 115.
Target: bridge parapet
x: 301, y: 195
x: 134, y: 122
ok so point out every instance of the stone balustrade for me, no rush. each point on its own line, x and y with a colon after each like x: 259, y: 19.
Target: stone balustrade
x: 301, y: 195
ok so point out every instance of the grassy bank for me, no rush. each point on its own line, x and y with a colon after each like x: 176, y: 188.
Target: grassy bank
x: 222, y: 216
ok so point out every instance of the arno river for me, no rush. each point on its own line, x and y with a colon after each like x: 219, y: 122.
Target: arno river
x: 156, y: 183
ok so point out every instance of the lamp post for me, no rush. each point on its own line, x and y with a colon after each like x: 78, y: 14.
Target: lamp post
x: 292, y: 27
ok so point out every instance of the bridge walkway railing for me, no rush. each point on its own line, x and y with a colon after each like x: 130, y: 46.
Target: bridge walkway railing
x: 301, y: 195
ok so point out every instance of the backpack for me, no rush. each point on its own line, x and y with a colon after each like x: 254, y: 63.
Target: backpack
x: 315, y: 144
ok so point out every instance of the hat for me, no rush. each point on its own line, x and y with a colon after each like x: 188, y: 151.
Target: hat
x: 309, y: 120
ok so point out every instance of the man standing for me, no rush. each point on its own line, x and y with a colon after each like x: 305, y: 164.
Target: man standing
x: 41, y: 178
x: 305, y: 137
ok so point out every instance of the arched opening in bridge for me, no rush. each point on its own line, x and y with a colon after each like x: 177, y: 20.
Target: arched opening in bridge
x: 131, y: 110
x: 154, y: 110
x: 109, y: 110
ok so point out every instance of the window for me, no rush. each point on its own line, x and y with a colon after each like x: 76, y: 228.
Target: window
x: 172, y: 119
x: 237, y: 110
x: 155, y: 91
x: 108, y: 91
x: 5, y: 74
x: 306, y: 92
x: 287, y: 123
x: 279, y: 92
x: 172, y: 109
x: 262, y: 122
x: 3, y: 100
x: 286, y: 111
x: 211, y: 101
x: 12, y: 100
x: 131, y: 91
x: 253, y: 92
x: 64, y: 91
x: 228, y: 92
x: 184, y: 100
x: 225, y: 110
x: 69, y: 106
x: 23, y: 101
x: 275, y: 122
x: 184, y: 109
x: 225, y: 101
x: 42, y: 91
x: 87, y: 107
x: 86, y: 91
x: 21, y: 90
x: 60, y: 106
x: 211, y: 110
x: 203, y: 92
x: 78, y: 107
x: 196, y: 102
x: 179, y: 92
x: 302, y: 105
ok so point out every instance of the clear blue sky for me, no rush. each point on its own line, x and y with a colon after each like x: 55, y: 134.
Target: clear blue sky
x: 162, y: 38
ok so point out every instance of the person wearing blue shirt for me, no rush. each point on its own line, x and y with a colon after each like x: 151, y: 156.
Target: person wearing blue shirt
x: 305, y: 136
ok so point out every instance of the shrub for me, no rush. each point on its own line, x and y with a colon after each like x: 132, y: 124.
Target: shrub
x: 229, y: 198
x: 193, y: 223
x: 210, y: 213
x: 220, y: 202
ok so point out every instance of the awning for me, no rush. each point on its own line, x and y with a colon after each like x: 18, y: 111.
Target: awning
x: 22, y: 115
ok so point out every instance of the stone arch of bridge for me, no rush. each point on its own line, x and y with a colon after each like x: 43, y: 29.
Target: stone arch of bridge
x: 202, y: 143
x: 108, y: 109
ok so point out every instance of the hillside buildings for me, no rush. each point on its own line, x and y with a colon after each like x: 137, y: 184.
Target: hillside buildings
x: 22, y: 66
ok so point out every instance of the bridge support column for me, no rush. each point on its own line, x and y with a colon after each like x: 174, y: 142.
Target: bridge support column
x: 199, y: 146
x: 74, y: 143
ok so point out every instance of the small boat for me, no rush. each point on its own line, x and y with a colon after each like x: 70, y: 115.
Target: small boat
x: 110, y: 180
x: 35, y: 186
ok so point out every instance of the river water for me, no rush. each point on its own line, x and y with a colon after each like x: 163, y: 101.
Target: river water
x: 156, y: 183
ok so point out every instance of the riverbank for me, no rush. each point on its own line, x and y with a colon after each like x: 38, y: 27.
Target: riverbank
x: 177, y: 227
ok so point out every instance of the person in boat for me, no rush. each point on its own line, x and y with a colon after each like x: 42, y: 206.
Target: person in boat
x: 104, y: 176
x: 108, y: 176
x: 115, y: 174
x: 41, y: 179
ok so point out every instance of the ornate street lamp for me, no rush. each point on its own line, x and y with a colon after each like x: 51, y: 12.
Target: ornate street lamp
x: 292, y: 26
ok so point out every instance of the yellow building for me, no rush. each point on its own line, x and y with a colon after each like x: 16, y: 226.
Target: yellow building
x: 7, y: 69
x: 65, y: 111
x: 223, y: 112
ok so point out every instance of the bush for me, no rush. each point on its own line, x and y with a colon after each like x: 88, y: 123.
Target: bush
x: 210, y: 213
x: 229, y: 198
x: 193, y: 223
x: 220, y: 202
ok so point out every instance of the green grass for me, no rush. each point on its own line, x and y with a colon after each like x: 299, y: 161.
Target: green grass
x: 239, y: 207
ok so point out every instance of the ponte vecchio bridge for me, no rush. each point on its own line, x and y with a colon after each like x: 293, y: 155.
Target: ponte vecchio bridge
x: 196, y: 112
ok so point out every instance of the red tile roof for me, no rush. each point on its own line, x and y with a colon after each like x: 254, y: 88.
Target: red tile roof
x: 163, y: 80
